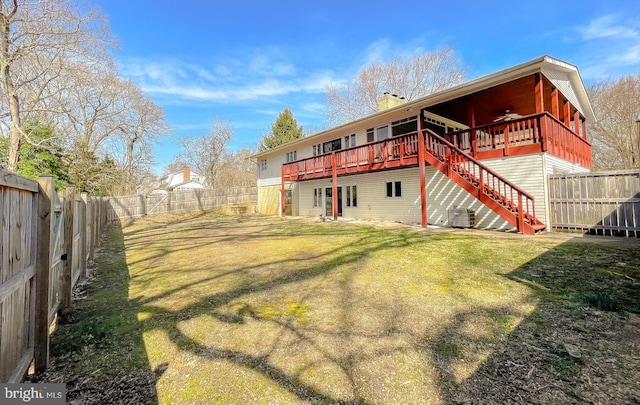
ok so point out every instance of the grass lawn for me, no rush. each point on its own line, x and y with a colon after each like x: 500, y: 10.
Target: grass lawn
x: 203, y: 308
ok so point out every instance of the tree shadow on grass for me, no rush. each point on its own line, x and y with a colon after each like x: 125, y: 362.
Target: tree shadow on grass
x: 518, y: 354
x: 572, y: 348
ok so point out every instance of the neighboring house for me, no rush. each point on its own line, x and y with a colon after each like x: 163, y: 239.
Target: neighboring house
x: 482, y: 149
x: 185, y: 180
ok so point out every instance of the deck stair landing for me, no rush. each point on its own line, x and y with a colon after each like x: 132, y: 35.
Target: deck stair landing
x: 504, y: 198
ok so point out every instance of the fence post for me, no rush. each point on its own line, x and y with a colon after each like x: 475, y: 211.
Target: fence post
x: 90, y: 225
x: 46, y: 188
x: 67, y: 275
x: 85, y: 221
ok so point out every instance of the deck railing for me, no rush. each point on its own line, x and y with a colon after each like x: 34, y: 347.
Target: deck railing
x: 399, y: 151
x: 531, y: 134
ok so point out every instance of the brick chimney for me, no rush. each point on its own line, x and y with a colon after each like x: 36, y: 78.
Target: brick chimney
x: 387, y: 101
x: 186, y: 174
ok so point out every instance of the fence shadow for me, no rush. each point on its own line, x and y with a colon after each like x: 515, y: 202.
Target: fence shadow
x: 97, y: 348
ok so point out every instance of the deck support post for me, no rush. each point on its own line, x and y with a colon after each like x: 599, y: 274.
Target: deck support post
x: 334, y: 182
x: 423, y: 179
x: 282, y: 199
x: 472, y: 125
x: 539, y: 93
x: 555, y: 104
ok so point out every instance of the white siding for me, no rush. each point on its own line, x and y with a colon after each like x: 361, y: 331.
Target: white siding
x: 443, y: 194
x: 562, y: 82
x: 371, y: 191
x: 556, y: 165
x: 527, y: 172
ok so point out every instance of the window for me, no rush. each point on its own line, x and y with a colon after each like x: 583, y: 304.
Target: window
x: 394, y: 189
x: 317, y: 149
x: 350, y: 141
x: 404, y: 126
x: 336, y: 144
x: 317, y: 197
x: 263, y: 164
x: 292, y: 156
x: 382, y: 133
x: 352, y: 196
x: 370, y: 135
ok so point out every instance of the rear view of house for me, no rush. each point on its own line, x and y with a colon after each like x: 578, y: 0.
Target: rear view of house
x: 477, y: 154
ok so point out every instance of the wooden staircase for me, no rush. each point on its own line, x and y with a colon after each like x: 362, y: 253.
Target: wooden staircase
x: 503, y: 197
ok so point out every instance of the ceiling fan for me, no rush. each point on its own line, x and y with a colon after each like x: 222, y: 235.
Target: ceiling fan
x: 508, y: 116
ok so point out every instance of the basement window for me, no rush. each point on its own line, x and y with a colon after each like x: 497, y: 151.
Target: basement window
x: 317, y: 197
x: 352, y: 196
x: 394, y: 189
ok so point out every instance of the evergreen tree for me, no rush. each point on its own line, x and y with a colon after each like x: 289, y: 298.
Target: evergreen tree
x: 44, y: 155
x: 284, y: 130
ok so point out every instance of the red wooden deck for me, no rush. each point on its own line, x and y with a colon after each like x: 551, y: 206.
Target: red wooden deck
x: 459, y: 155
x: 532, y: 134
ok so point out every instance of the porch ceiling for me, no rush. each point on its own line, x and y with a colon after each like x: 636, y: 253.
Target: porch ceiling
x: 517, y: 96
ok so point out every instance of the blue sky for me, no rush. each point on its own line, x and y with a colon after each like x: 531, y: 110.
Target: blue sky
x: 244, y: 61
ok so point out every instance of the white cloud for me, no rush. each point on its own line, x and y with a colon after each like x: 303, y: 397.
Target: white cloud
x: 262, y: 76
x: 609, y: 46
x: 606, y: 27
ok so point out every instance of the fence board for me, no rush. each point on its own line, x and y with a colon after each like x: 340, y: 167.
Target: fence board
x: 606, y: 203
x: 32, y: 246
x: 136, y: 206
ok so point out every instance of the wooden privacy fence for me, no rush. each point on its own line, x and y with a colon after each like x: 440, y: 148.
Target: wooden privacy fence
x: 46, y: 242
x: 135, y: 206
x: 604, y: 203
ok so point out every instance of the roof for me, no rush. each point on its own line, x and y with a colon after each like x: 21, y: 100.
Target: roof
x: 556, y: 70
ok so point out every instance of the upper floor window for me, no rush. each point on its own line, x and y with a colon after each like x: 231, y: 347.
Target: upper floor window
x: 350, y: 141
x: 382, y: 133
x: 263, y: 164
x: 292, y: 156
x: 370, y: 137
x: 404, y: 126
x: 336, y: 144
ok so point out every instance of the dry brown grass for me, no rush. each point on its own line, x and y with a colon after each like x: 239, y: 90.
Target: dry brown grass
x: 239, y: 310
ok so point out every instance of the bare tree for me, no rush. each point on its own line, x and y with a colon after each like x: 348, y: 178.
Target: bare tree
x: 37, y: 39
x: 205, y: 153
x: 237, y: 170
x: 142, y: 122
x: 411, y: 78
x: 616, y: 135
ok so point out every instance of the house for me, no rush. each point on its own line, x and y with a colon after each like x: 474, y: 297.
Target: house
x: 185, y: 180
x: 482, y: 149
